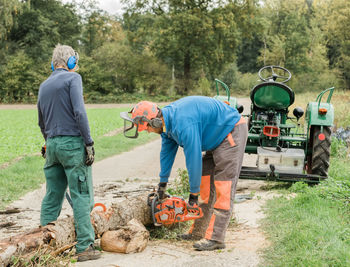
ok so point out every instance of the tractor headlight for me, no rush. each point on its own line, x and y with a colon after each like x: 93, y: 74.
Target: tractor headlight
x: 322, y: 111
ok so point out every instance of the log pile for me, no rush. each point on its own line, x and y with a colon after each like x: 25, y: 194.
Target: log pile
x: 124, y: 219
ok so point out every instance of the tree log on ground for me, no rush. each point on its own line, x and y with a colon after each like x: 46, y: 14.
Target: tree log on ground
x: 62, y: 233
x: 128, y: 239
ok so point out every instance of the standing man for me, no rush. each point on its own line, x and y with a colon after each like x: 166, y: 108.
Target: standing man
x: 69, y: 149
x: 198, y: 124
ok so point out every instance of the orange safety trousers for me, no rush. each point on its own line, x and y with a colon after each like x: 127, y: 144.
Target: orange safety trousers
x: 220, y: 173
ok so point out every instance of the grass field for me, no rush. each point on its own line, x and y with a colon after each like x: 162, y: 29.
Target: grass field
x: 20, y: 134
x: 21, y: 139
x: 340, y: 102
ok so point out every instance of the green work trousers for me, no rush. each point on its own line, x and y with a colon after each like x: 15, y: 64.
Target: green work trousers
x: 65, y: 166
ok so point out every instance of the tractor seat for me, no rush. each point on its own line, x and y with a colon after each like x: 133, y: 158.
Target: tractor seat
x: 273, y: 95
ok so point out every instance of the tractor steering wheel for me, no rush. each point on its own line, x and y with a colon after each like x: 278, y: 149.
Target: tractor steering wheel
x: 277, y: 72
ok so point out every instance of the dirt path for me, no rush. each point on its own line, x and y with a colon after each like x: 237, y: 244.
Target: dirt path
x: 129, y: 172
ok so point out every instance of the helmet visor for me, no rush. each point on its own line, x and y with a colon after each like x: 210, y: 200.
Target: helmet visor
x: 130, y: 127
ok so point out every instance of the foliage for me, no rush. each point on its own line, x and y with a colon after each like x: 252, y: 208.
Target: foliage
x: 292, y: 38
x: 191, y: 34
x: 338, y: 36
x: 181, y: 185
x: 202, y: 87
x: 166, y: 48
x: 115, y: 69
x: 42, y: 25
x: 9, y: 9
x: 20, y: 82
x: 168, y: 232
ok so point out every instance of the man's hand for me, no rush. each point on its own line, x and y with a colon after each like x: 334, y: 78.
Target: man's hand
x: 161, y: 190
x: 90, y: 154
x: 193, y: 200
x: 43, y: 151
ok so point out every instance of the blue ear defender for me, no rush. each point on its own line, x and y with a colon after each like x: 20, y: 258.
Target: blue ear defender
x: 72, y: 62
x: 52, y: 66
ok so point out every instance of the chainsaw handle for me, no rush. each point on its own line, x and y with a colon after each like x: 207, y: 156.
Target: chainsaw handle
x: 150, y: 198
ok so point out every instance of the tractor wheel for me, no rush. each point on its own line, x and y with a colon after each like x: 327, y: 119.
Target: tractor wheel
x: 321, y: 146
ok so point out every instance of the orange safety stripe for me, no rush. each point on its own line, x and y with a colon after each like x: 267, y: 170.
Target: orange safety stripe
x: 210, y: 228
x: 205, y: 188
x: 223, y: 195
x: 230, y: 140
x: 242, y: 120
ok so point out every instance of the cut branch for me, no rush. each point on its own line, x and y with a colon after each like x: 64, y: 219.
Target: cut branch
x: 61, y: 233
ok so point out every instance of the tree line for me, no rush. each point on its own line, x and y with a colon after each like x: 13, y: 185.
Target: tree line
x: 168, y: 48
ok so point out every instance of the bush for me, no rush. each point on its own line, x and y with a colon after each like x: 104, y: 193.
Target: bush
x: 21, y: 78
x: 318, y: 82
x: 202, y: 87
x: 181, y: 186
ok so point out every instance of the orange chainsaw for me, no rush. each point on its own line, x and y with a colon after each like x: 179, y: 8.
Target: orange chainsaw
x: 171, y: 210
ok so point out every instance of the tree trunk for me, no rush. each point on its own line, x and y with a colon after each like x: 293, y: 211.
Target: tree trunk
x: 187, y: 72
x: 62, y: 233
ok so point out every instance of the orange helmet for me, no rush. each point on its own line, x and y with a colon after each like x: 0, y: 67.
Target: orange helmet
x: 144, y: 109
x: 143, y: 114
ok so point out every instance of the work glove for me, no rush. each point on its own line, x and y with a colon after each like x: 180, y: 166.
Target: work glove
x: 161, y: 190
x: 193, y: 200
x: 43, y: 151
x: 90, y: 154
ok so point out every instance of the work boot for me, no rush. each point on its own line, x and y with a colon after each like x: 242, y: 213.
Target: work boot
x: 189, y: 237
x: 206, y: 244
x: 89, y: 254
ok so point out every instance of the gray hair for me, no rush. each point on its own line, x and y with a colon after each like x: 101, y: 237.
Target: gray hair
x: 61, y: 54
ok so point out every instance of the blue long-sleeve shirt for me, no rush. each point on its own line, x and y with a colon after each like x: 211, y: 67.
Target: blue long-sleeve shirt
x: 197, y: 124
x: 61, y: 109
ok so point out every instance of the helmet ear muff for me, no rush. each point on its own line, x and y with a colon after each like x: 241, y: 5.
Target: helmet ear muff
x: 156, y: 123
x: 72, y: 62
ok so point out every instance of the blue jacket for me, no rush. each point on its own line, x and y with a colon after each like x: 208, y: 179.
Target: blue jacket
x: 197, y: 124
x: 61, y: 109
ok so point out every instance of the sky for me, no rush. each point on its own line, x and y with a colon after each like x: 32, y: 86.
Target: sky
x: 113, y: 7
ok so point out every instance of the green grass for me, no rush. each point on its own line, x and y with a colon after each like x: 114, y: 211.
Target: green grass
x: 340, y: 101
x: 21, y: 138
x: 27, y: 174
x: 313, y: 228
x: 20, y: 134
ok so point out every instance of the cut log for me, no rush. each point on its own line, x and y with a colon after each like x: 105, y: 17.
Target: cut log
x: 128, y: 239
x: 62, y: 233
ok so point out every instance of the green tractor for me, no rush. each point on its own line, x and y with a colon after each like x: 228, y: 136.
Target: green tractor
x: 284, y: 151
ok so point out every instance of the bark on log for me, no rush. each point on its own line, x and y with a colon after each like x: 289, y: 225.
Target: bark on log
x: 128, y: 239
x: 61, y: 232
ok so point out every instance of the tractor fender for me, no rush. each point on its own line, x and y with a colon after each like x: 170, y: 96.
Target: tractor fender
x: 313, y: 116
x: 232, y: 101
